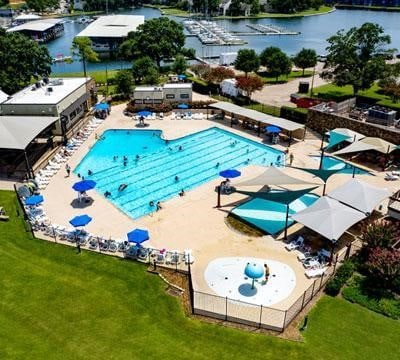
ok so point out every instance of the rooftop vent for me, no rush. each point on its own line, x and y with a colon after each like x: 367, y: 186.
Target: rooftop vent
x: 56, y: 82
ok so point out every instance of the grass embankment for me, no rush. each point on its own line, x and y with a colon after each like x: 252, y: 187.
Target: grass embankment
x: 269, y: 79
x: 57, y: 304
x: 171, y: 11
x: 342, y: 92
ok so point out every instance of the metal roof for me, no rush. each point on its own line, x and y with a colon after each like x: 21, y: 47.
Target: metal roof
x: 257, y: 116
x: 3, y: 96
x: 38, y: 25
x: 16, y: 132
x: 112, y: 26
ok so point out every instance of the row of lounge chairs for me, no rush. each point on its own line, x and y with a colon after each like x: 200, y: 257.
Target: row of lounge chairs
x: 392, y: 176
x: 42, y: 178
x: 315, y: 264
x: 138, y: 252
x: 187, y: 116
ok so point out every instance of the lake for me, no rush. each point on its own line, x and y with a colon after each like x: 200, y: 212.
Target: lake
x: 314, y: 30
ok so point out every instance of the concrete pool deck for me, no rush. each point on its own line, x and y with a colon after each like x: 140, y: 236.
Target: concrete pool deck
x: 192, y: 221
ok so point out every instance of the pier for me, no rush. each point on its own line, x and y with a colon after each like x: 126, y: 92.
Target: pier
x: 268, y: 30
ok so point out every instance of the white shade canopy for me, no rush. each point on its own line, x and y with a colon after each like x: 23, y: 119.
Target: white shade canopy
x: 368, y: 143
x: 272, y: 176
x: 329, y: 217
x: 360, y: 195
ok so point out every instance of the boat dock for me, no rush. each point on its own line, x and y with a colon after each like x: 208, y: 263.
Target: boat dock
x: 268, y: 30
x: 209, y: 33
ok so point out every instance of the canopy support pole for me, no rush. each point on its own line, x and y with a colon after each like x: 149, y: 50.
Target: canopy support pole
x: 323, y: 191
x: 322, y: 141
x: 29, y: 170
x: 219, y: 196
x: 332, y: 251
x: 290, y: 138
x: 286, y: 221
x: 322, y: 158
x: 304, y: 132
x: 354, y: 172
x: 259, y: 129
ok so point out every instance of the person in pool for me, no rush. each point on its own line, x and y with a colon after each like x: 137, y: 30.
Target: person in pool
x: 151, y: 203
x: 122, y: 187
x: 107, y: 194
x: 176, y: 178
x: 159, y: 207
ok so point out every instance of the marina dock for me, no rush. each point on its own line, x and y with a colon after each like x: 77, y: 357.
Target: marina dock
x: 269, y: 30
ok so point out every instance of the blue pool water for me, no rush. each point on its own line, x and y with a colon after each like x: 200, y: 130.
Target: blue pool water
x: 152, y: 176
x: 330, y: 163
x: 270, y: 216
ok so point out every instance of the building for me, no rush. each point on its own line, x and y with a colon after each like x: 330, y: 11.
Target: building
x: 41, y: 31
x: 65, y: 99
x: 168, y: 93
x: 24, y: 18
x: 108, y: 32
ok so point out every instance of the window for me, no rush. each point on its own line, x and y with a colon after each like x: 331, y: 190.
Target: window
x: 159, y: 101
x: 184, y: 96
x: 170, y: 96
x: 147, y: 101
x: 138, y: 101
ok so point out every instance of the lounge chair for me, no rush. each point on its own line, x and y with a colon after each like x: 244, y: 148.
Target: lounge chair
x: 4, y: 217
x: 295, y: 244
x: 312, y: 262
x: 391, y: 177
x: 317, y: 272
x: 188, y: 257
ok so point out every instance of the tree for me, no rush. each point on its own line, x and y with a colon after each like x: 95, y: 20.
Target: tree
x: 267, y: 53
x: 143, y: 68
x: 305, y: 58
x: 381, y: 234
x: 159, y: 38
x: 180, y: 64
x: 218, y: 74
x: 383, y: 265
x: 41, y: 5
x: 21, y: 60
x: 247, y: 61
x: 249, y: 84
x: 279, y: 64
x: 357, y: 57
x: 82, y: 48
x: 124, y: 81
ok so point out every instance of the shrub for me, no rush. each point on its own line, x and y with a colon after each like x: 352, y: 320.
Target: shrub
x: 294, y: 114
x: 343, y: 274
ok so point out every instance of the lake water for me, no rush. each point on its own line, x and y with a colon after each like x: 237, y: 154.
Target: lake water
x: 314, y: 32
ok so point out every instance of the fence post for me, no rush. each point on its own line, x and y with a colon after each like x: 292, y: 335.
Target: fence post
x: 226, y: 308
x: 302, y: 303
x: 260, y: 315
x: 320, y: 284
x: 54, y: 234
x: 191, y: 291
x: 348, y: 251
x: 312, y: 293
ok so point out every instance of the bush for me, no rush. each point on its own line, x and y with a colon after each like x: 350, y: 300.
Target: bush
x: 359, y: 292
x: 343, y: 274
x: 295, y: 114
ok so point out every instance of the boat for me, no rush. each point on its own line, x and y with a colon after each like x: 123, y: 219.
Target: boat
x: 61, y: 58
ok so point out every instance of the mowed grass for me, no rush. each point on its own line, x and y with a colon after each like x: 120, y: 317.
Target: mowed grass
x: 56, y: 304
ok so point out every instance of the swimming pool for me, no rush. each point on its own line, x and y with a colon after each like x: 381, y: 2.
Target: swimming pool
x: 270, y: 216
x: 331, y: 163
x: 153, y: 164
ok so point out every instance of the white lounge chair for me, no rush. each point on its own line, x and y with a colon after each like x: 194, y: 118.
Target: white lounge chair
x: 295, y: 244
x: 317, y: 272
x: 188, y: 257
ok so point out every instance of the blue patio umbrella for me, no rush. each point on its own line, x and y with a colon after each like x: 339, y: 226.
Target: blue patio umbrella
x: 84, y: 185
x: 138, y: 236
x: 144, y: 113
x: 273, y: 129
x: 101, y: 106
x: 230, y: 173
x: 34, y: 200
x: 183, y: 106
x: 182, y: 76
x: 80, y: 220
x: 253, y: 271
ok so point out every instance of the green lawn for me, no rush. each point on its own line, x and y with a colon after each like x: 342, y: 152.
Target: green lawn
x: 284, y: 78
x: 56, y: 304
x: 99, y: 76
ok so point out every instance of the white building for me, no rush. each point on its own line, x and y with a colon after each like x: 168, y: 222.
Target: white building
x: 108, y: 32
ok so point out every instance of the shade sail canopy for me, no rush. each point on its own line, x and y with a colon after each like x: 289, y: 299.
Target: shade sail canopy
x: 368, y: 143
x: 34, y: 200
x: 80, y: 220
x: 16, y: 132
x: 360, y: 195
x: 101, y: 106
x: 323, y: 174
x: 282, y: 197
x: 272, y: 176
x: 339, y: 135
x: 329, y: 217
x: 230, y: 173
x: 138, y: 236
x: 144, y: 113
x: 84, y: 185
x: 183, y: 106
x: 257, y: 116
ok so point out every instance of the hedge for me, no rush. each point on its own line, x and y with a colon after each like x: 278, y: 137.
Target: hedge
x: 295, y: 114
x: 343, y: 274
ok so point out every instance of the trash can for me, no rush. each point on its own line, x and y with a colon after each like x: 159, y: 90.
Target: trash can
x: 304, y: 86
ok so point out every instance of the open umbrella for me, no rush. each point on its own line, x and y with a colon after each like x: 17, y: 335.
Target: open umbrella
x: 253, y: 271
x: 230, y: 173
x: 183, y: 106
x: 84, y: 185
x: 101, y: 106
x: 144, y: 113
x: 80, y: 220
x: 181, y: 76
x: 138, y: 236
x: 273, y: 129
x: 34, y: 200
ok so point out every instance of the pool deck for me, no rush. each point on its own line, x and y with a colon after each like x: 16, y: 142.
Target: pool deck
x: 190, y: 222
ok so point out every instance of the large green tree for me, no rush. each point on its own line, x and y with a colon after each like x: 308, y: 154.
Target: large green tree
x: 292, y: 6
x: 247, y: 61
x: 124, y: 82
x: 276, y: 61
x: 21, y: 59
x: 41, y: 5
x: 357, y: 57
x: 159, y: 38
x: 101, y: 5
x: 305, y: 58
x: 143, y: 68
x: 82, y: 48
x: 267, y: 53
x: 180, y: 64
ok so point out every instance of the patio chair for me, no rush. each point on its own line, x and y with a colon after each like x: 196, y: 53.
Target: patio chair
x: 112, y: 246
x: 295, y: 244
x: 312, y: 273
x: 312, y: 262
x: 188, y: 257
x: 391, y: 177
